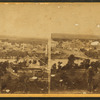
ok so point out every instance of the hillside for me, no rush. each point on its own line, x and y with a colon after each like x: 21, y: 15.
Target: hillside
x: 73, y: 36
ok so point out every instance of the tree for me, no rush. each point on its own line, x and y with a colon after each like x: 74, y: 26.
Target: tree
x: 70, y: 63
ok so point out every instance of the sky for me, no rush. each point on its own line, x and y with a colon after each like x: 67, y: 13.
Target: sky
x: 40, y: 20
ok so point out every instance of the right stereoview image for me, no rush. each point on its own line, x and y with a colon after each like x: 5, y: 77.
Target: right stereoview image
x: 75, y: 64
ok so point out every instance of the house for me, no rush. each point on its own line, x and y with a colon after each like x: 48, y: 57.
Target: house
x: 54, y: 43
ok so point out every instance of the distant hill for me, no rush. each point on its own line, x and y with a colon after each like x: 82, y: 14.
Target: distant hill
x: 21, y: 39
x: 73, y: 36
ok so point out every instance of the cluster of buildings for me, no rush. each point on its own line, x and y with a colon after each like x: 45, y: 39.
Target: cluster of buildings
x: 28, y: 64
x: 22, y: 47
x: 75, y: 45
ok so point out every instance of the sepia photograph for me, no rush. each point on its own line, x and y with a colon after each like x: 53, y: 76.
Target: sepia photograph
x: 75, y: 64
x: 75, y: 51
x: 23, y: 52
x: 23, y: 65
x: 49, y: 49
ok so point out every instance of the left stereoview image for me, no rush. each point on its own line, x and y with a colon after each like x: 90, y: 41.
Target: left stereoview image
x: 23, y: 65
x: 23, y: 51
